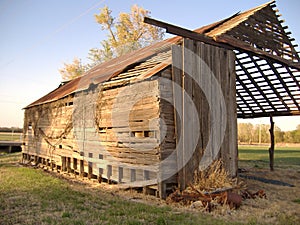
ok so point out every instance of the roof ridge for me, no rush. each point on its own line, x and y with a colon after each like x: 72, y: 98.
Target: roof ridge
x: 219, y: 30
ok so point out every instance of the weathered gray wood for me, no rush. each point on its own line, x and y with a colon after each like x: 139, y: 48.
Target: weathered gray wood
x: 232, y: 162
x: 189, y: 117
x: 177, y: 74
x: 272, y: 147
x: 208, y: 67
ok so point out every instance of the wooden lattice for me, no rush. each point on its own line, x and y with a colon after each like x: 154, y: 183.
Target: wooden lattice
x: 264, y: 87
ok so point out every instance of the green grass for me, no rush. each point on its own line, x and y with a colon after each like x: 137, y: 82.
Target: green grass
x: 32, y: 196
x: 9, y: 136
x: 258, y: 156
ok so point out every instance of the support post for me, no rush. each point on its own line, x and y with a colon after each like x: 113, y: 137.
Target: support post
x: 51, y: 165
x: 74, y: 165
x: 90, y: 170
x: 81, y: 168
x: 68, y: 159
x: 63, y: 163
x: 271, y: 149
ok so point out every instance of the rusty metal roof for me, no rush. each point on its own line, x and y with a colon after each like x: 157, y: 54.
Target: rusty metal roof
x: 267, y: 64
x: 105, y: 71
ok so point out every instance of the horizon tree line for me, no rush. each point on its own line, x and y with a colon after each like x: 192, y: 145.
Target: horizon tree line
x: 259, y: 133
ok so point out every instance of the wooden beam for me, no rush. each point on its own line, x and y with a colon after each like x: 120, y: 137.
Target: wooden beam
x: 243, y: 46
x: 172, y: 29
x: 267, y: 114
x: 223, y: 41
x: 271, y: 149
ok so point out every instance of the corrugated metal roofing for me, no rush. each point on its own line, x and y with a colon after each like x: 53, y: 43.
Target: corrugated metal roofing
x: 111, y: 68
x: 105, y: 71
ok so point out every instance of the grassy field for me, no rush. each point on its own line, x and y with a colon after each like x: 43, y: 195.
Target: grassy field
x: 284, y: 157
x: 35, y: 196
x: 10, y: 136
x: 32, y: 196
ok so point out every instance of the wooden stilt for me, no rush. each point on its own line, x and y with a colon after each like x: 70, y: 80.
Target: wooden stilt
x: 90, y: 170
x: 271, y: 149
x: 81, y: 168
x: 68, y: 159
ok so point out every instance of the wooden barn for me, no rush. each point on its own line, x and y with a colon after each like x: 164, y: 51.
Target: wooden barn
x: 154, y: 116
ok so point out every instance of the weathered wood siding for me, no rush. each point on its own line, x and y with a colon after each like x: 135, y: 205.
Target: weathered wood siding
x: 111, y: 131
x: 201, y: 70
x: 48, y: 130
x: 143, y: 132
x: 167, y: 176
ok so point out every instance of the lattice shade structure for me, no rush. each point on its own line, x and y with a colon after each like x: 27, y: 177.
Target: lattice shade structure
x: 267, y: 63
x: 264, y: 87
x: 262, y: 29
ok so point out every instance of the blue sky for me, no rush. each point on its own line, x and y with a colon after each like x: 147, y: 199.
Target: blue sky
x: 38, y: 36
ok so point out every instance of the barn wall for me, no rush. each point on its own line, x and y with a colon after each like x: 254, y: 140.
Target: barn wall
x: 205, y: 130
x: 48, y: 130
x: 141, y: 132
x: 111, y: 131
x: 168, y: 158
x: 127, y: 119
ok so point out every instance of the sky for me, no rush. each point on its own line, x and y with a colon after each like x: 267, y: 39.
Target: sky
x: 37, y: 37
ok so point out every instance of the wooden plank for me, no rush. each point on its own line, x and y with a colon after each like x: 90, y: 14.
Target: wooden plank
x: 240, y: 45
x: 199, y: 102
x: 188, y: 106
x: 183, y: 32
x: 224, y: 41
x: 232, y: 116
x: 206, y: 116
x: 177, y: 65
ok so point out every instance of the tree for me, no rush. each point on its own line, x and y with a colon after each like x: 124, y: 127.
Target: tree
x: 288, y: 137
x: 125, y: 34
x: 279, y: 135
x: 245, y: 132
x: 72, y: 70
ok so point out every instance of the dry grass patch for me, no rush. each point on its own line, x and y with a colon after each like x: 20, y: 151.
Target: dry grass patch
x: 213, y: 178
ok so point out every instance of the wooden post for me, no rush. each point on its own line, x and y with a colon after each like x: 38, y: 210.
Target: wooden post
x: 81, y: 168
x: 74, y: 165
x: 90, y: 170
x: 63, y: 164
x: 271, y: 149
x: 120, y: 174
x: 51, y: 164
x: 47, y: 163
x: 68, y: 159
x: 162, y: 190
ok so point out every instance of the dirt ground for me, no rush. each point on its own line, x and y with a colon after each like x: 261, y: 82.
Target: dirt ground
x: 282, y: 203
